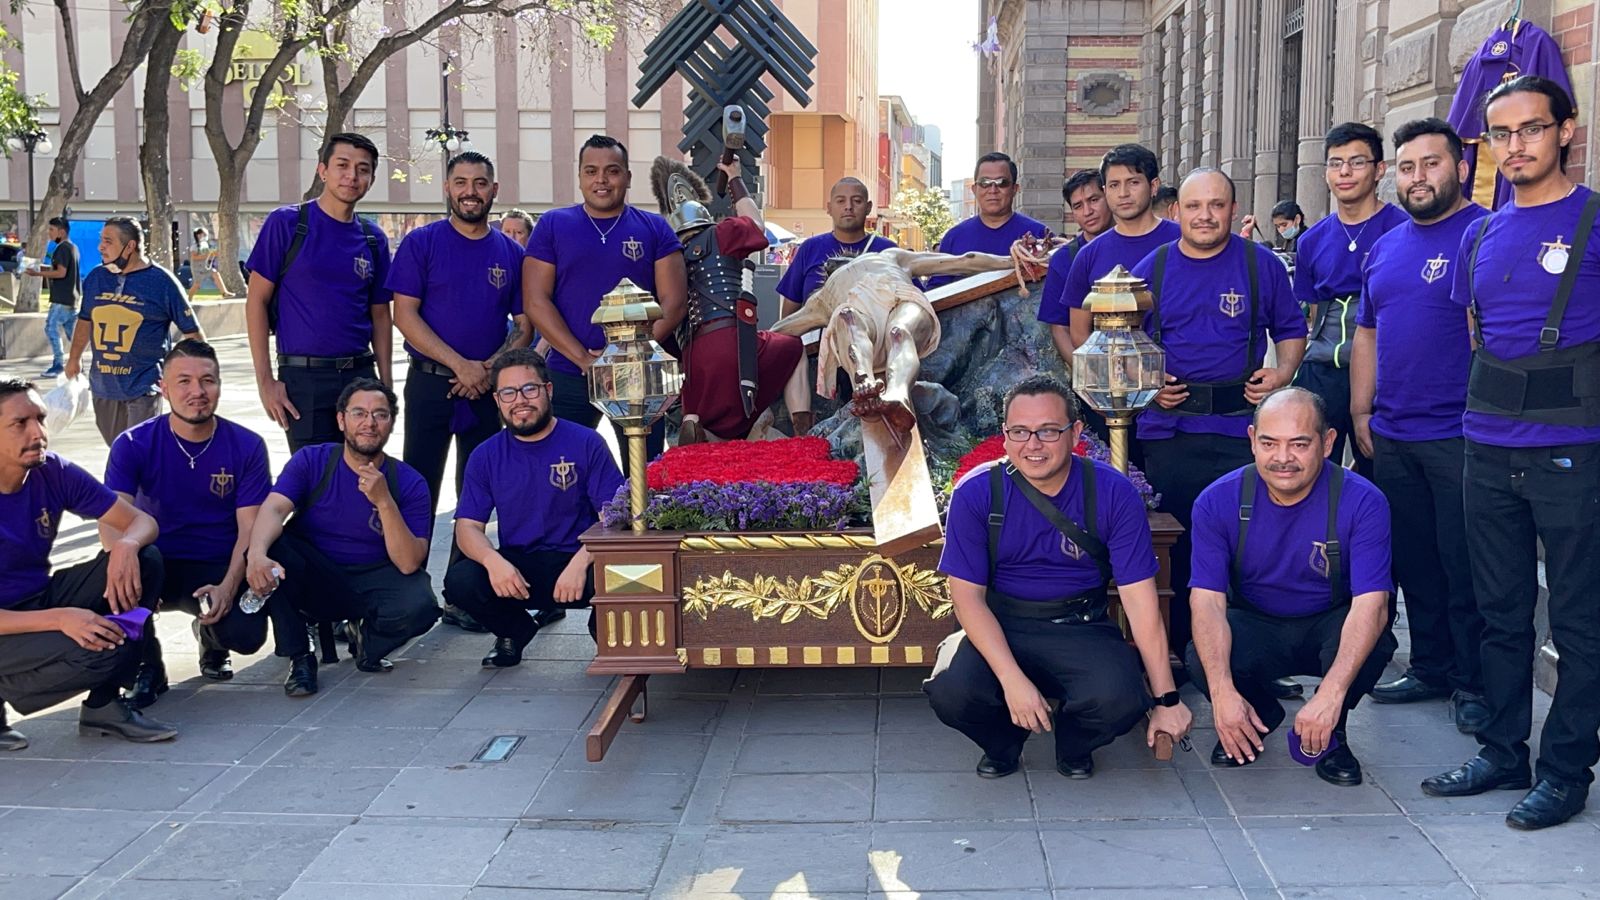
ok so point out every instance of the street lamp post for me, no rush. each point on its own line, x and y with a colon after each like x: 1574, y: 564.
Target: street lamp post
x: 451, y: 140
x: 29, y: 142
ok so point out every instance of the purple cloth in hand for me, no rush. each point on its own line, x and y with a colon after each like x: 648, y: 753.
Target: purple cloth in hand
x: 1304, y: 758
x: 132, y: 622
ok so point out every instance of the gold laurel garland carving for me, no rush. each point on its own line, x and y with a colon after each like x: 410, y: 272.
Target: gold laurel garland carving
x: 767, y: 597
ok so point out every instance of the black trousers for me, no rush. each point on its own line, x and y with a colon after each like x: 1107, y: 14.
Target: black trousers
x: 238, y: 631
x: 1266, y: 648
x: 1089, y: 668
x: 571, y: 402
x: 1179, y: 468
x: 392, y: 607
x: 1517, y: 499
x: 466, y: 585
x: 1423, y: 482
x: 429, y: 412
x: 42, y: 668
x: 1333, y: 386
x: 315, y: 394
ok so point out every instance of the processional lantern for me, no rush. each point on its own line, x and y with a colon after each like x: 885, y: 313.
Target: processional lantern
x: 634, y: 380
x: 1118, y: 371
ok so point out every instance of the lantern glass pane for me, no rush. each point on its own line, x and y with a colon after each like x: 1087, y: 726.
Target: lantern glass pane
x: 1118, y: 372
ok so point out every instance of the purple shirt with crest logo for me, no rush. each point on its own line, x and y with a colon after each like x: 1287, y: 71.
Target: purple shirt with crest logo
x: 1205, y: 326
x: 196, y: 507
x: 1037, y: 562
x: 588, y: 267
x: 1515, y: 293
x: 325, y: 299
x: 468, y: 287
x: 804, y: 274
x: 973, y: 236
x: 1284, y: 571
x: 30, y: 518
x: 1424, y: 351
x: 546, y: 492
x: 1066, y: 285
x: 343, y: 523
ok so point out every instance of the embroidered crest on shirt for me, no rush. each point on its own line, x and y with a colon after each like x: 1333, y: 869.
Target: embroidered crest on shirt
x: 222, y: 483
x: 633, y: 249
x: 363, y: 267
x: 1070, y: 549
x: 1319, y: 558
x: 1499, y: 48
x: 497, y: 277
x: 1231, y: 304
x: 563, y: 474
x: 1553, y: 255
x: 45, y: 526
x: 1434, y: 269
x: 375, y: 522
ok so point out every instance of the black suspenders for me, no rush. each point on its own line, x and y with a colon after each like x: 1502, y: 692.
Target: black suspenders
x: 1158, y: 275
x: 1247, y: 496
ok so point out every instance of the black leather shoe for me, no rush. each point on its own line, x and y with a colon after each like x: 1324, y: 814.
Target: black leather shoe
x: 1287, y: 689
x: 507, y: 653
x: 1339, y: 766
x: 302, y: 680
x: 358, y: 649
x: 1476, y: 776
x: 546, y: 617
x: 119, y: 719
x: 1471, y: 712
x: 10, y: 738
x: 1076, y: 769
x: 1220, y: 757
x: 215, y: 665
x: 1407, y: 689
x: 989, y: 767
x: 1549, y: 803
x: 460, y: 618
x: 148, y: 684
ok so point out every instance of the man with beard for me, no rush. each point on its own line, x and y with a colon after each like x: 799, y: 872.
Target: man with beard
x: 1291, y: 577
x: 202, y: 478
x: 545, y: 480
x: 317, y: 276
x: 356, y: 547
x: 1218, y: 299
x: 55, y: 638
x: 997, y: 225
x: 1327, y: 270
x: 1408, y: 389
x: 1532, y: 431
x: 1085, y: 193
x: 580, y: 253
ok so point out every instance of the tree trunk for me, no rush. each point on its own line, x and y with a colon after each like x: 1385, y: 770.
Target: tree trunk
x: 230, y: 183
x: 154, y: 169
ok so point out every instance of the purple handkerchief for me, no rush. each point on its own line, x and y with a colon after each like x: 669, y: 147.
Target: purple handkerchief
x: 1304, y: 758
x: 132, y: 622
x: 461, y: 416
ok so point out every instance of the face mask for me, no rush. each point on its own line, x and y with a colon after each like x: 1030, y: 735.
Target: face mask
x: 115, y: 266
x: 1289, y: 233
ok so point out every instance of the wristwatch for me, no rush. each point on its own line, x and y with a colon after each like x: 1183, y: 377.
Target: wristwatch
x: 1170, y: 698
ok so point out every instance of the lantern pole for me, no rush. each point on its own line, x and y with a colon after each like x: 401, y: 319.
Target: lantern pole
x: 638, y: 484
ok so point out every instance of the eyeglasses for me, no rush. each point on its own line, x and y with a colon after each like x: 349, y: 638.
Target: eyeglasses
x: 360, y: 415
x: 1530, y: 134
x: 985, y: 184
x: 1021, y: 435
x: 530, y: 391
x: 1356, y: 164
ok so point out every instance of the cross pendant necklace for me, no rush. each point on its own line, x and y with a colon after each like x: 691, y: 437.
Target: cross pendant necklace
x: 596, y: 226
x: 194, y: 456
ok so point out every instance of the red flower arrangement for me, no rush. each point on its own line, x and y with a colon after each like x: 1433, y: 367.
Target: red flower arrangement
x: 802, y: 459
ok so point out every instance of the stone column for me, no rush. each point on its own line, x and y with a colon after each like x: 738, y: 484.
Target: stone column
x: 1316, y: 106
x: 1269, y: 107
x: 1241, y: 80
x: 1172, y: 53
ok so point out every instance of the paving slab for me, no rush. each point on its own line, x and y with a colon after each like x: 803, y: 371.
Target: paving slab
x: 1378, y: 850
x: 598, y: 860
x: 407, y: 853
x: 1177, y: 854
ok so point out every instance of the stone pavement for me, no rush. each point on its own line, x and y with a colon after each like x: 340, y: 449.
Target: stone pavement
x: 755, y: 784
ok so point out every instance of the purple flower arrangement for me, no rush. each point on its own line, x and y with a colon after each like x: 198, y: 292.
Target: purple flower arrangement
x: 741, y: 506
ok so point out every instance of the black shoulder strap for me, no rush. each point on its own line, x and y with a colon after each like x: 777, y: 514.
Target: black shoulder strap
x: 1472, y: 280
x: 326, y: 480
x: 1255, y: 291
x: 1335, y: 558
x: 1550, y: 334
x: 1156, y: 275
x: 1086, y: 541
x: 997, y: 515
x: 1247, y: 499
x: 302, y: 227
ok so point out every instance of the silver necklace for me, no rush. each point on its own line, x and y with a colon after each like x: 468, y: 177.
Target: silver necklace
x: 193, y: 457
x: 1352, y: 246
x: 608, y: 230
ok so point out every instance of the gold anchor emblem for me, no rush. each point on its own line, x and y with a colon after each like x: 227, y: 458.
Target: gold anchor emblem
x: 222, y: 483
x: 878, y: 600
x: 46, y: 527
x: 1231, y: 304
x: 1434, y: 269
x: 497, y: 277
x: 563, y: 474
x: 1319, y: 558
x: 632, y: 249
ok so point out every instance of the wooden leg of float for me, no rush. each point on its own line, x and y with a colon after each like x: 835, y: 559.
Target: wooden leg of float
x: 618, y: 706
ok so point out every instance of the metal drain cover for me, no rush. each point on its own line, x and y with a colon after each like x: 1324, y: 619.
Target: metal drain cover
x: 499, y: 748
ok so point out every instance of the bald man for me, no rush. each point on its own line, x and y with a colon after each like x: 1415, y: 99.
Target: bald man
x: 849, y: 205
x: 1218, y: 300
x: 1290, y: 577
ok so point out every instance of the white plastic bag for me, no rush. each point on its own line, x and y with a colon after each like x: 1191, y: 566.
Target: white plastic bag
x: 66, y: 402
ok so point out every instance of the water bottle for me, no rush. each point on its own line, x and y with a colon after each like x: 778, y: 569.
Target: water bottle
x: 252, y: 602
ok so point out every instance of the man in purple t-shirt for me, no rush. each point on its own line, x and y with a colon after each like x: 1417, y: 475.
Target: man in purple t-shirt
x: 1085, y: 193
x: 317, y: 276
x: 577, y: 255
x: 202, y: 478
x: 1408, y: 388
x: 544, y: 479
x: 356, y: 548
x: 1532, y: 430
x: 56, y: 639
x: 1290, y: 577
x: 1032, y: 544
x: 997, y: 225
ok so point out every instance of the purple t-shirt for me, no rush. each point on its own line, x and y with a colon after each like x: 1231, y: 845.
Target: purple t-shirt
x: 325, y: 298
x: 30, y: 518
x: 1424, y: 350
x: 343, y: 523
x: 1094, y: 261
x: 1515, y: 293
x: 587, y: 267
x: 545, y: 492
x: 804, y: 274
x: 131, y: 318
x: 468, y: 287
x: 1285, y: 567
x: 195, y: 506
x: 973, y: 236
x: 1037, y: 562
x: 1205, y: 326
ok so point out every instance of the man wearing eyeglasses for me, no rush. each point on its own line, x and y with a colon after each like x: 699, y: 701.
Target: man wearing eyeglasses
x: 1530, y: 273
x: 355, y: 548
x: 1327, y: 273
x: 545, y: 480
x: 997, y: 225
x: 1031, y: 547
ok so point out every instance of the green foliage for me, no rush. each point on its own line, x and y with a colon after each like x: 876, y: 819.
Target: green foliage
x: 929, y: 210
x: 18, y: 111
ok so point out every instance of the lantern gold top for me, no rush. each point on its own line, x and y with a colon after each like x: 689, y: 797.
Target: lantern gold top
x: 627, y: 304
x: 1120, y: 291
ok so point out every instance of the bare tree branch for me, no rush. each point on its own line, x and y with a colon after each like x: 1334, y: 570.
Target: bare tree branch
x: 71, y: 35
